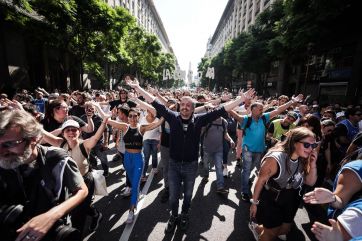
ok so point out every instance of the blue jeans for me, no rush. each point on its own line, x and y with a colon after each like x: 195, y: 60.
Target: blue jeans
x: 218, y: 159
x: 250, y: 160
x: 181, y: 175
x: 150, y: 148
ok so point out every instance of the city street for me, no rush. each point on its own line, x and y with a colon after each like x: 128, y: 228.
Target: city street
x: 213, y: 217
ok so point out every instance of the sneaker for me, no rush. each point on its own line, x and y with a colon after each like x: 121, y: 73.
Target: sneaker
x: 184, y: 222
x: 222, y: 191
x: 225, y: 172
x: 252, y: 226
x: 165, y: 195
x: 171, y: 224
x: 245, y: 197
x: 282, y: 237
x: 126, y: 192
x: 130, y: 217
x: 95, y: 222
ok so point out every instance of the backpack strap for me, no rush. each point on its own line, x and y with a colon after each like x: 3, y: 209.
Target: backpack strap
x: 248, y: 123
x: 83, y: 150
x: 63, y: 144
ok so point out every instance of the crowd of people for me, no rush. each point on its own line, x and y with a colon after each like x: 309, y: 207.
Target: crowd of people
x: 290, y: 150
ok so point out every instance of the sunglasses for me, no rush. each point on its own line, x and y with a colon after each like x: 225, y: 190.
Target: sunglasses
x: 132, y: 116
x: 307, y: 145
x: 72, y: 129
x: 11, y: 144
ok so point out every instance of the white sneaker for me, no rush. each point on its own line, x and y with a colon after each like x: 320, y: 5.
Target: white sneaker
x: 225, y: 172
x: 282, y: 237
x: 126, y: 192
x: 252, y: 226
x: 130, y: 217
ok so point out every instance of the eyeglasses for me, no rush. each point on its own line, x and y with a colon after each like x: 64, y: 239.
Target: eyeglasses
x: 307, y: 145
x: 11, y: 144
x: 71, y: 129
x: 132, y: 116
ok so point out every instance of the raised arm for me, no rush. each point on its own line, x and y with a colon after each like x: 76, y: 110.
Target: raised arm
x: 134, y: 84
x: 51, y: 139
x: 236, y: 116
x: 92, y: 141
x: 240, y: 99
x: 89, y: 127
x: 284, y: 107
x: 151, y: 126
x: 145, y: 106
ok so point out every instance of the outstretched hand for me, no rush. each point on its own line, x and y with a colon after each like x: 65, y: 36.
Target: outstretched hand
x: 132, y: 83
x: 249, y: 94
x: 319, y: 196
x: 298, y: 98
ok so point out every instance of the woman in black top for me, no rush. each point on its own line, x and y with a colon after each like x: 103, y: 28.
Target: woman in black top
x: 133, y: 160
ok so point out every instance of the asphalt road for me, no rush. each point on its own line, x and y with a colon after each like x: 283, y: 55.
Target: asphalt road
x: 213, y: 217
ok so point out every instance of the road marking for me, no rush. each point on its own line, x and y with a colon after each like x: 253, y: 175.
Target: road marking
x: 129, y: 227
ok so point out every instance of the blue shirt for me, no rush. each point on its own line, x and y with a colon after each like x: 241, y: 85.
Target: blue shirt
x: 254, y: 138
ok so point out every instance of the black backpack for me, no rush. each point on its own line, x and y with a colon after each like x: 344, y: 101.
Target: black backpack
x: 249, y: 120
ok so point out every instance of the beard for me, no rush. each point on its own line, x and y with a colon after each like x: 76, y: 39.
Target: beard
x: 12, y: 161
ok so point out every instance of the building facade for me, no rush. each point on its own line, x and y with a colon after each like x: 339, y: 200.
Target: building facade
x: 147, y: 17
x: 236, y: 18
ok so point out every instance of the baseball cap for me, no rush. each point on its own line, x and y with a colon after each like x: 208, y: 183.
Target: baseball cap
x: 293, y: 114
x: 71, y: 123
x: 340, y: 114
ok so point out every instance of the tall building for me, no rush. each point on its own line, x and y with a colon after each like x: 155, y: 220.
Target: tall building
x: 237, y: 17
x: 147, y: 17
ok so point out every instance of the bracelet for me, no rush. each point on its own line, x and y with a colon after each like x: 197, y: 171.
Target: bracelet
x: 254, y: 202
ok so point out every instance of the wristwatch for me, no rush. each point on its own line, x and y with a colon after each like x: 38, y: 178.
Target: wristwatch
x: 254, y: 202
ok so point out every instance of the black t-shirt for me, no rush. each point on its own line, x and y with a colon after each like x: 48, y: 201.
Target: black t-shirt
x: 97, y: 121
x: 27, y: 184
x: 77, y: 111
x: 51, y: 124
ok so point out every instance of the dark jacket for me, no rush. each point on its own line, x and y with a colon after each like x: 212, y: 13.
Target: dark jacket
x: 184, y: 147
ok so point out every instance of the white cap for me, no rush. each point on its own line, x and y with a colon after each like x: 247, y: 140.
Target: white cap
x: 68, y: 123
x: 340, y: 114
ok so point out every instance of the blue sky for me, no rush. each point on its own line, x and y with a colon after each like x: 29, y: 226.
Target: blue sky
x: 189, y: 24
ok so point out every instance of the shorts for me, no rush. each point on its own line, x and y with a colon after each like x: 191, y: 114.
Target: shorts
x: 273, y: 213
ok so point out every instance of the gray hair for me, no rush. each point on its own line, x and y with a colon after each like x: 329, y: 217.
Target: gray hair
x: 30, y: 127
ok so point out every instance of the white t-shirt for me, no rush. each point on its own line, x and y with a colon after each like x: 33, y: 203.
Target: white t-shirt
x: 351, y: 220
x: 152, y: 134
